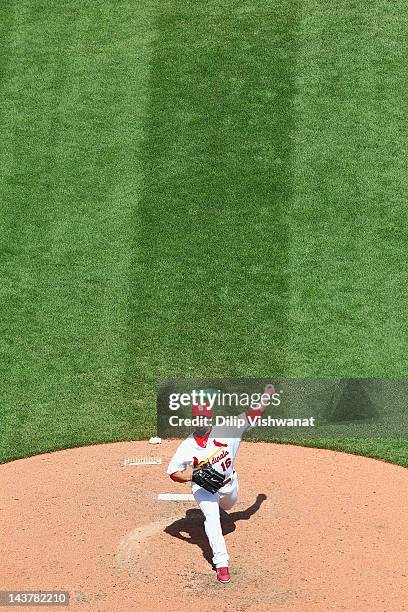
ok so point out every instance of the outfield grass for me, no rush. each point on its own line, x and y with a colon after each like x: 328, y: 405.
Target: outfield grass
x: 192, y: 190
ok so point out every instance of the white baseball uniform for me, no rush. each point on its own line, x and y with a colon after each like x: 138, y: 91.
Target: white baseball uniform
x: 221, y: 452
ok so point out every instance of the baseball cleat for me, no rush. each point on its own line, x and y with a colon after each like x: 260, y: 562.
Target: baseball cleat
x: 223, y: 574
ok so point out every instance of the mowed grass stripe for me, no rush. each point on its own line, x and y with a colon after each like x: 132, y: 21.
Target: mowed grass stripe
x: 211, y: 289
x: 74, y: 94
x: 349, y: 217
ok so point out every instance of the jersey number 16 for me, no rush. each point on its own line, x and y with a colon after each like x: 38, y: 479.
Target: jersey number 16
x: 226, y: 464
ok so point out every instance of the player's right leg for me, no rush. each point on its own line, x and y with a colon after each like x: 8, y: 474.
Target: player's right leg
x: 208, y: 503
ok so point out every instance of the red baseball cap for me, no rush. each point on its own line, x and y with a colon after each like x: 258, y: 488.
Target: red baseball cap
x: 201, y: 410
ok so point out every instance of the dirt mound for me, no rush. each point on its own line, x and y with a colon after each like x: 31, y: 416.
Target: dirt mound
x: 313, y: 530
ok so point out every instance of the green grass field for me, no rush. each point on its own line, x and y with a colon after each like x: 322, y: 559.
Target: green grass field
x: 196, y: 190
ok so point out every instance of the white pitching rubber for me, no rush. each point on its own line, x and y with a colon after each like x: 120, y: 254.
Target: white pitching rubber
x: 176, y: 497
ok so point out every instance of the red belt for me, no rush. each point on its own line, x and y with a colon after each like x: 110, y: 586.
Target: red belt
x: 228, y: 480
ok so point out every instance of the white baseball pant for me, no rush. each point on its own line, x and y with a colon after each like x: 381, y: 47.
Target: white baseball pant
x: 210, y: 504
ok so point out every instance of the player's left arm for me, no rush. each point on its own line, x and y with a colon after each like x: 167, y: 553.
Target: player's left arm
x: 265, y: 400
x: 264, y: 404
x: 249, y: 415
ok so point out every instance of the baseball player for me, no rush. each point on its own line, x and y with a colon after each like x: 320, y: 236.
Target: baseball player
x: 206, y: 459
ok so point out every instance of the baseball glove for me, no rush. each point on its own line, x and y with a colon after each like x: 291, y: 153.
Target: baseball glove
x: 208, y: 478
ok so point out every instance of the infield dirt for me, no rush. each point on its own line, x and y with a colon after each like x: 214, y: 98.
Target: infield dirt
x: 314, y: 530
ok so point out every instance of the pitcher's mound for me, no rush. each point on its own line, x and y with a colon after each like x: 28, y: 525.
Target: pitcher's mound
x: 314, y: 530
